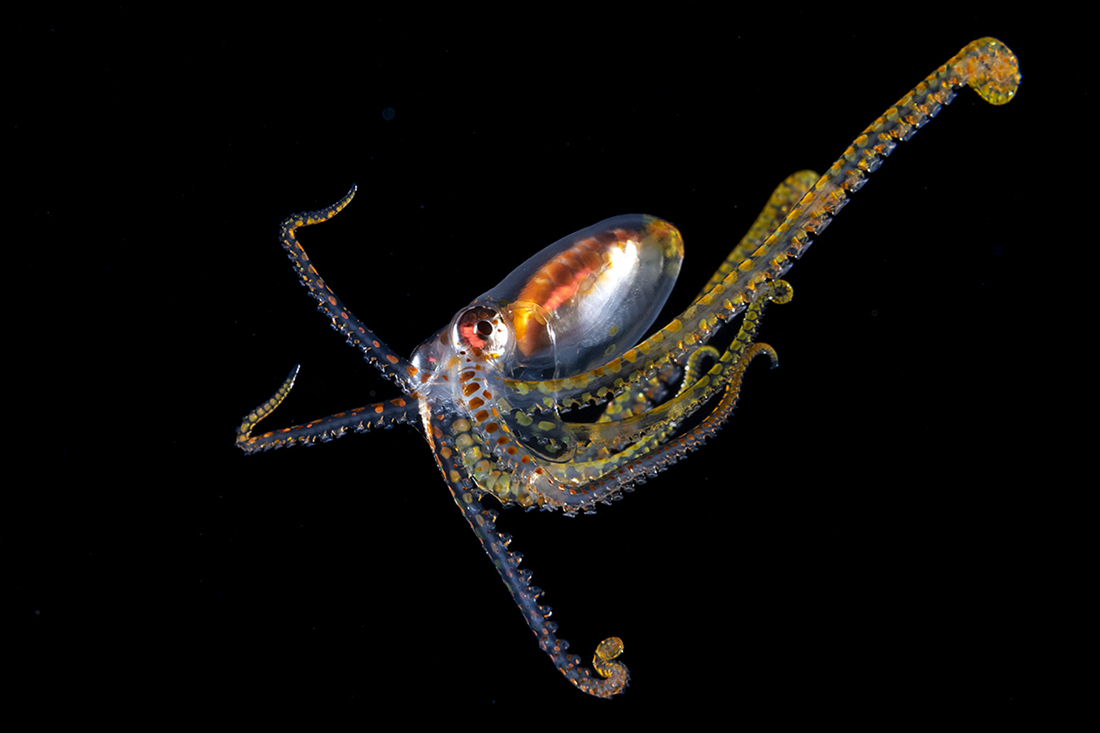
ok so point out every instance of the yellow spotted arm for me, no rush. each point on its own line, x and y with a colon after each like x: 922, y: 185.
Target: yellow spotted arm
x: 653, y: 389
x: 590, y: 454
x: 660, y: 421
x: 783, y: 199
x: 987, y: 65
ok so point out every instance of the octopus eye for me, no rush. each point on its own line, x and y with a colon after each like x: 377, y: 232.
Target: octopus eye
x: 482, y: 328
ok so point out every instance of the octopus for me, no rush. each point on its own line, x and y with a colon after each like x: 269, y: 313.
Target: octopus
x: 492, y: 391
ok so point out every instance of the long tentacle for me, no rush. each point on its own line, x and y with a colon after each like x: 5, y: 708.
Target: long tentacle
x: 654, y: 389
x: 593, y: 448
x: 987, y: 65
x: 780, y: 204
x: 581, y: 484
x: 649, y: 465
x: 612, y: 676
x: 360, y: 420
x: 695, y: 390
x: 375, y: 351
x: 526, y: 471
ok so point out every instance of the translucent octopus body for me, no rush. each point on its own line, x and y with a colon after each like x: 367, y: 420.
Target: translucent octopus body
x: 489, y: 390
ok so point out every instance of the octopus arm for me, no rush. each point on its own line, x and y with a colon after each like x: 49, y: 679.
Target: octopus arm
x: 697, y: 387
x: 611, y: 676
x: 360, y: 420
x: 375, y: 351
x: 600, y: 466
x: 986, y: 65
x: 780, y: 204
x: 653, y: 390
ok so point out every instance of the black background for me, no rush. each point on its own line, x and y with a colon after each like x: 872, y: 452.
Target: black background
x: 877, y: 533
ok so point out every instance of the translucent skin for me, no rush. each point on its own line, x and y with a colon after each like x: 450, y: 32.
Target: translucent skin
x: 569, y: 317
x: 588, y: 296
